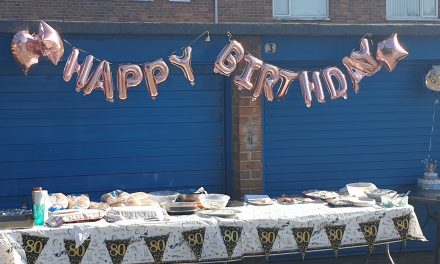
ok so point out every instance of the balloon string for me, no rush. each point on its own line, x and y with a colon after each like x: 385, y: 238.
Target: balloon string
x: 436, y: 101
x: 143, y: 64
x: 190, y: 43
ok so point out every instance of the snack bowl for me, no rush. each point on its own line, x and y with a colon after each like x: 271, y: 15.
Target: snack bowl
x: 395, y: 201
x: 358, y: 189
x: 164, y: 197
x: 214, y: 200
x: 378, y: 193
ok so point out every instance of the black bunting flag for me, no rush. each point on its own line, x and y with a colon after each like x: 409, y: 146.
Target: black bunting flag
x: 267, y: 237
x: 157, y: 246
x: 33, y: 246
x: 335, y: 234
x: 302, y: 235
x: 195, y: 239
x: 370, y: 230
x: 117, y: 249
x: 75, y: 253
x: 231, y: 235
x: 402, y: 225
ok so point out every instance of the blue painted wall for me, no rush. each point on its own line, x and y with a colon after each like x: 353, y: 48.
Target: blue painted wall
x: 379, y: 135
x: 53, y: 137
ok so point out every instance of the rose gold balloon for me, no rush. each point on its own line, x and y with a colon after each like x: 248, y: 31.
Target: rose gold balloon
x: 128, y: 76
x: 308, y: 87
x: 155, y: 73
x: 228, y: 58
x: 390, y: 52
x: 25, y: 49
x: 361, y: 63
x: 82, y: 70
x: 268, y: 77
x: 101, y: 79
x: 184, y: 63
x: 52, y: 45
x: 330, y: 72
x: 364, y: 55
x: 252, y: 64
x: 287, y: 78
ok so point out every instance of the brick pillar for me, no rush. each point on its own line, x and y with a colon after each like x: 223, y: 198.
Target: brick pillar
x: 246, y: 132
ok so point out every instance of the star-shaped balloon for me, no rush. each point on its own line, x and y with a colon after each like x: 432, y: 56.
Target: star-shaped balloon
x: 390, y: 52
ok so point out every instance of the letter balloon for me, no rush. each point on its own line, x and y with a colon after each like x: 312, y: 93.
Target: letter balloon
x: 308, y: 87
x: 82, y: 70
x: 287, y: 78
x: 155, y: 72
x: 184, y: 63
x: 228, y: 58
x: 128, y: 76
x: 101, y: 79
x: 268, y: 77
x: 337, y: 73
x: 252, y: 64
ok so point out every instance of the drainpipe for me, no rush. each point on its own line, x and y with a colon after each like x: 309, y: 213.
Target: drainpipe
x: 216, y: 11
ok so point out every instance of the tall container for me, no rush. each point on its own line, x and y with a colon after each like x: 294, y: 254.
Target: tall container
x: 40, y: 198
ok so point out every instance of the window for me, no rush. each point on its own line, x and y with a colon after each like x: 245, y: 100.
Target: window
x: 412, y: 9
x: 300, y: 9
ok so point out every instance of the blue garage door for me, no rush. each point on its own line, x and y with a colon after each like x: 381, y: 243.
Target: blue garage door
x: 379, y: 135
x: 53, y: 137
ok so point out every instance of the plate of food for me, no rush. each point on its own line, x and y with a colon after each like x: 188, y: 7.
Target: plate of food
x: 319, y: 194
x: 294, y: 200
x: 338, y: 202
x: 221, y: 212
x: 261, y: 202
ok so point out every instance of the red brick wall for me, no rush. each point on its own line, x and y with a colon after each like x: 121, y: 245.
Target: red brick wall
x: 196, y: 11
x: 246, y: 132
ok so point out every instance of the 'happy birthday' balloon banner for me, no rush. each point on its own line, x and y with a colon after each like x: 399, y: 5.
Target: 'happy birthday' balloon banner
x: 27, y: 48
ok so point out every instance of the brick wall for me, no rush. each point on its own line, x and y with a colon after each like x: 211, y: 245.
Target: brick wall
x: 246, y: 132
x: 196, y: 11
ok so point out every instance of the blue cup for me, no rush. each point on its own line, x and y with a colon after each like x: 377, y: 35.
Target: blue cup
x: 39, y: 214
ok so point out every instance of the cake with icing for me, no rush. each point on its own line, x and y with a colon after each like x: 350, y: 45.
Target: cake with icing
x: 429, y: 180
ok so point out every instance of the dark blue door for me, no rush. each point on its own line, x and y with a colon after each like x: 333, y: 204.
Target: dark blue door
x: 53, y: 137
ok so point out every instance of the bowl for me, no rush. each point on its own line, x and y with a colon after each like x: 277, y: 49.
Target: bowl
x: 181, y: 206
x: 214, y: 200
x: 377, y: 193
x: 164, y: 197
x: 399, y: 201
x: 358, y: 189
x: 189, y: 197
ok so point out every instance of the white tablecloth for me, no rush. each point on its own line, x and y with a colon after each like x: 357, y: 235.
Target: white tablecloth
x: 279, y: 226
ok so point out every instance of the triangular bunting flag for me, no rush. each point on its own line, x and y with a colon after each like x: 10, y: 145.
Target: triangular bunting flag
x: 75, y: 253
x: 195, y: 239
x: 267, y: 237
x: 157, y: 246
x: 231, y: 235
x: 370, y: 230
x: 33, y: 246
x: 335, y: 234
x: 117, y: 249
x: 302, y: 236
x: 402, y: 225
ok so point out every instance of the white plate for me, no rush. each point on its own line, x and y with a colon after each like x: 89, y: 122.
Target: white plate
x: 261, y: 202
x: 221, y: 212
x: 362, y: 201
x: 317, y: 194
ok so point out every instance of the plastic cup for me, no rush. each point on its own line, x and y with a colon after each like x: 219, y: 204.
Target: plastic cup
x: 39, y: 210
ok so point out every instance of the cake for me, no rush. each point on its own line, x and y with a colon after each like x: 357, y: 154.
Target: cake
x: 429, y: 180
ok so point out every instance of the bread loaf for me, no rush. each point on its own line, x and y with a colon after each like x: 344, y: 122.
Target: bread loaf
x: 58, y: 201
x: 113, y: 197
x: 78, y: 201
x: 140, y: 199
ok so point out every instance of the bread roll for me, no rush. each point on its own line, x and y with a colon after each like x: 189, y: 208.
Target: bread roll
x: 59, y: 201
x: 78, y: 201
